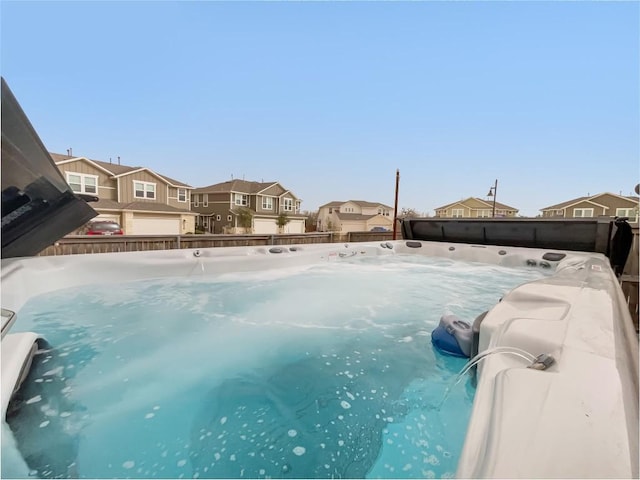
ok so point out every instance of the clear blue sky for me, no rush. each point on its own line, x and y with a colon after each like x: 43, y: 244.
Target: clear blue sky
x: 329, y: 98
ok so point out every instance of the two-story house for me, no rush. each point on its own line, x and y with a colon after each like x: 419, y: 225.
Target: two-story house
x: 354, y: 216
x: 473, y: 207
x: 142, y: 201
x: 221, y: 205
x: 601, y: 204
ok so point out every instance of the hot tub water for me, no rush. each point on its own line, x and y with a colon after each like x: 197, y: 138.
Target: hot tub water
x: 311, y: 372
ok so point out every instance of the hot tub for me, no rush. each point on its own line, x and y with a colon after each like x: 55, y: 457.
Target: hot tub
x: 578, y: 418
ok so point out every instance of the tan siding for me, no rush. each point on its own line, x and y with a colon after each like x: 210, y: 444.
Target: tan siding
x: 173, y: 199
x: 614, y: 203
x: 126, y: 187
x: 104, y: 180
x: 597, y: 211
x: 274, y: 190
x: 472, y: 203
x: 81, y: 167
x: 272, y: 210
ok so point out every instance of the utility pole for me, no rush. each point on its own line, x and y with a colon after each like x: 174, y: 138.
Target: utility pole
x: 395, y: 208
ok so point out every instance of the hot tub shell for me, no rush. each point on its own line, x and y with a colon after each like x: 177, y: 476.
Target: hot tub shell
x: 577, y: 419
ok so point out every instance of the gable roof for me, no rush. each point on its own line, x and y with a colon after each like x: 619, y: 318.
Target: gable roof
x: 362, y: 203
x: 568, y: 203
x: 354, y: 216
x: 489, y: 204
x: 115, y: 170
x: 332, y: 204
x: 239, y: 186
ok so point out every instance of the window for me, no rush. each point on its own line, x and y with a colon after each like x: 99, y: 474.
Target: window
x: 630, y: 213
x: 240, y: 199
x: 559, y: 212
x: 287, y: 204
x: 182, y: 194
x: 298, y: 206
x: 82, y: 183
x: 229, y: 218
x: 484, y: 213
x: 267, y: 203
x: 330, y: 210
x: 196, y: 199
x: 205, y: 199
x: 457, y: 212
x: 583, y: 212
x: 144, y: 190
x: 205, y: 222
x: 218, y: 218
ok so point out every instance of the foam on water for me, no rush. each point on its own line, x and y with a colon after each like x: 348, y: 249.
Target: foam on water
x: 313, y: 372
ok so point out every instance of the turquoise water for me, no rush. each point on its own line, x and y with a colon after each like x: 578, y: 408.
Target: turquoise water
x: 315, y: 372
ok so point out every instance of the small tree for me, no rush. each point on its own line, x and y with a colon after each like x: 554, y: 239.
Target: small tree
x: 311, y: 223
x: 408, y: 213
x: 281, y: 221
x: 245, y: 219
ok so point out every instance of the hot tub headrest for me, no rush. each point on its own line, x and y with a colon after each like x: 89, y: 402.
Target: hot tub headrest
x: 453, y: 336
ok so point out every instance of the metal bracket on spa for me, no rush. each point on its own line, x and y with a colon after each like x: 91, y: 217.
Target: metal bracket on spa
x: 542, y: 362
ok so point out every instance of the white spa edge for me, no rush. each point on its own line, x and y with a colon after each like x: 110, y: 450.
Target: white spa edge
x: 578, y: 419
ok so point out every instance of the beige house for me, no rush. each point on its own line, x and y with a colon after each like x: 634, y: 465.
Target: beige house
x: 219, y: 207
x: 473, y: 207
x: 602, y: 204
x: 142, y: 201
x: 354, y: 216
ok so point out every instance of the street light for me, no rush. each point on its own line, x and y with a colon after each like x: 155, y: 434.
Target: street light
x: 493, y: 191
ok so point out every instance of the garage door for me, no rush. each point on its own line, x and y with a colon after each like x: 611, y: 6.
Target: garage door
x: 156, y: 226
x: 265, y: 225
x: 294, y: 226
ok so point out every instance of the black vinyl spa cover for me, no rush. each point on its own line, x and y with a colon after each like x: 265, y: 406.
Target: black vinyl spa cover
x: 38, y: 206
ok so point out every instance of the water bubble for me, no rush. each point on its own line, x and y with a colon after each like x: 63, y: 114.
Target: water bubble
x: 129, y: 464
x: 292, y: 433
x: 299, y: 450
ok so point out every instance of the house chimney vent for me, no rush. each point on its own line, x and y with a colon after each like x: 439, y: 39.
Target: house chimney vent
x: 118, y: 159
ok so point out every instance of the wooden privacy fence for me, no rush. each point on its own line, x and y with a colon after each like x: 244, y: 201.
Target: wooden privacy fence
x: 80, y: 244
